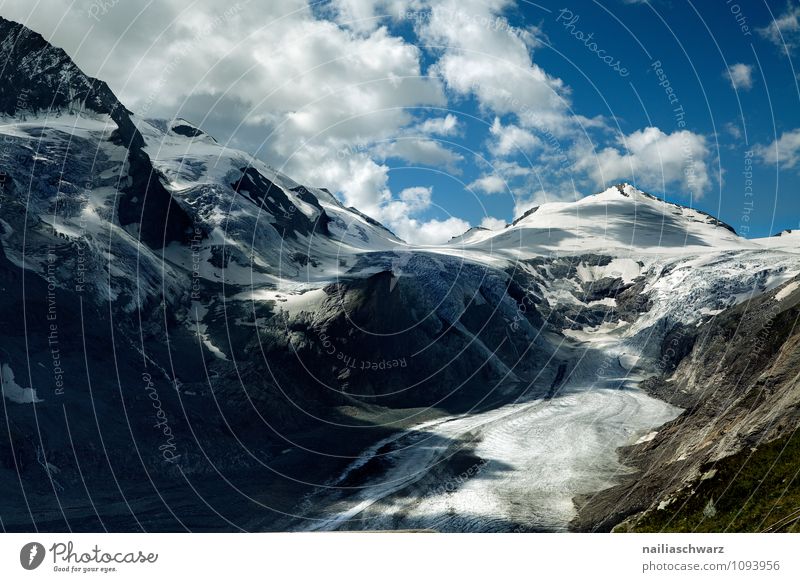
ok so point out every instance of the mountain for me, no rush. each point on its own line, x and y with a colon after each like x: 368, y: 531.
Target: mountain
x: 192, y: 340
x: 618, y: 219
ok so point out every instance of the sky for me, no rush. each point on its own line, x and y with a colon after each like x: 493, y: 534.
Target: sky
x: 437, y: 116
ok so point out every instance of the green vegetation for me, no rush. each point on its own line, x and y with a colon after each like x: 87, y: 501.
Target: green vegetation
x: 750, y: 491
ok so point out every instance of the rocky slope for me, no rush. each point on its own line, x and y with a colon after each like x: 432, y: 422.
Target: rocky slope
x: 738, y: 378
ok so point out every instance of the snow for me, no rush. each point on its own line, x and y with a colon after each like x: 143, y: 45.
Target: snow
x: 291, y: 303
x: 92, y: 167
x: 788, y: 241
x: 786, y: 291
x: 199, y: 173
x: 534, y: 458
x: 199, y: 311
x: 627, y: 225
x: 647, y: 438
x: 13, y: 391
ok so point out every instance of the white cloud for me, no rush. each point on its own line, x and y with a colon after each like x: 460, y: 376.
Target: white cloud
x: 489, y: 184
x: 304, y: 88
x: 493, y: 223
x: 784, y: 151
x: 444, y: 126
x: 653, y: 159
x: 402, y: 215
x: 499, y: 177
x: 433, y: 232
x: 733, y: 130
x: 524, y: 202
x: 421, y: 151
x: 416, y: 197
x: 741, y: 76
x: 485, y: 57
x: 430, y: 232
x: 784, y: 30
x: 511, y: 139
x: 362, y: 181
x: 367, y: 15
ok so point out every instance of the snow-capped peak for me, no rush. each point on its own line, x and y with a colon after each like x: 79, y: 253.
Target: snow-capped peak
x: 621, y: 218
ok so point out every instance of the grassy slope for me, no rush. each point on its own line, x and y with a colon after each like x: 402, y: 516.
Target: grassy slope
x: 751, y: 491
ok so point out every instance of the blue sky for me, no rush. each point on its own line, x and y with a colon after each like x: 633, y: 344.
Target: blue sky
x: 695, y: 46
x: 437, y: 116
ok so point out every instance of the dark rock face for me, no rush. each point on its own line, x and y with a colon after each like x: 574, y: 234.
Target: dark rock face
x: 187, y: 130
x: 288, y: 219
x: 40, y: 78
x: 389, y: 341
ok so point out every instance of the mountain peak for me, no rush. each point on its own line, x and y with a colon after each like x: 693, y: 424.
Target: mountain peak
x: 38, y: 76
x: 620, y: 217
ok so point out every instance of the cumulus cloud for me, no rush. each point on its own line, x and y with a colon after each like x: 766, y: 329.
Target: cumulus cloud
x: 444, y: 126
x: 525, y: 201
x: 485, y: 57
x: 493, y: 223
x: 654, y: 159
x: 367, y: 15
x: 785, y: 29
x: 510, y: 139
x: 304, y: 87
x: 362, y: 181
x: 733, y: 130
x: 424, y: 152
x: 499, y: 177
x: 432, y: 232
x: 489, y: 184
x: 784, y: 151
x: 401, y: 215
x: 741, y: 76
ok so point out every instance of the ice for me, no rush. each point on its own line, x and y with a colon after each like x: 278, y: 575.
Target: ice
x: 534, y: 458
x: 13, y: 391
